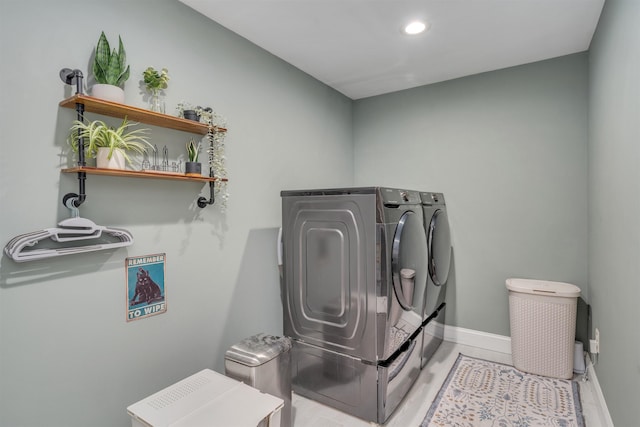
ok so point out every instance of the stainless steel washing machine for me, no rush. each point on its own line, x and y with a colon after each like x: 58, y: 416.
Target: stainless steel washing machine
x: 438, y: 238
x: 354, y: 281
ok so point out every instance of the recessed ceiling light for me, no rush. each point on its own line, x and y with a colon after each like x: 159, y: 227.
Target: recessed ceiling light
x: 415, y: 27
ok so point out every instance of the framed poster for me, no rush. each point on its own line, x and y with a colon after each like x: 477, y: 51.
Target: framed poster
x: 145, y: 286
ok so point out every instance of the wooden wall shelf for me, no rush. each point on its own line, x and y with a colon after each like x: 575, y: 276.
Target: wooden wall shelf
x: 114, y: 109
x: 135, y: 114
x: 141, y: 174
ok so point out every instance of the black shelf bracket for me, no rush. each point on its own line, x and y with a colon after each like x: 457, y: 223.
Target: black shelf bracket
x: 202, y: 201
x: 71, y: 77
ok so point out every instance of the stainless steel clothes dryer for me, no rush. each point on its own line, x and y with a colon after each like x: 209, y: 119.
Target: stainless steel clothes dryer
x: 439, y: 261
x: 354, y: 280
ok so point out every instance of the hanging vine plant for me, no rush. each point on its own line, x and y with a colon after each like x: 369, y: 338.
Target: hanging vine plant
x: 216, y: 147
x: 217, y: 163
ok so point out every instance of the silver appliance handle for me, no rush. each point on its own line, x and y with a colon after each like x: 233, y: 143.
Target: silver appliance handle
x: 279, y: 247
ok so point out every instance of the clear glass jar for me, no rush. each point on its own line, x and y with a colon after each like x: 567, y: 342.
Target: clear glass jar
x: 156, y: 102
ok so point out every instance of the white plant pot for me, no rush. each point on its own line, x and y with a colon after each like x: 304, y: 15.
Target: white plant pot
x: 108, y: 93
x: 116, y: 161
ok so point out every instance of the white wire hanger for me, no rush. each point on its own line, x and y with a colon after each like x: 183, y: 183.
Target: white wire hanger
x: 74, y: 229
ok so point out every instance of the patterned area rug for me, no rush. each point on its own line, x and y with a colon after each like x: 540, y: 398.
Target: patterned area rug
x: 479, y: 393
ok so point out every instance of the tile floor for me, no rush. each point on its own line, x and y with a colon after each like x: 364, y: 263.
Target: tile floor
x: 410, y: 413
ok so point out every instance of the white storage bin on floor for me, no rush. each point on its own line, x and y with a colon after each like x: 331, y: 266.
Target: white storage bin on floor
x: 207, y: 399
x: 543, y: 326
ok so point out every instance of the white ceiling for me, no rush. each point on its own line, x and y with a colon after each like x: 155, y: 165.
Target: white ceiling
x: 357, y: 47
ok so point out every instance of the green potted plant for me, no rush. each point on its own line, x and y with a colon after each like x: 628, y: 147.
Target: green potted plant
x: 155, y: 83
x: 192, y: 167
x: 107, y: 144
x: 109, y: 70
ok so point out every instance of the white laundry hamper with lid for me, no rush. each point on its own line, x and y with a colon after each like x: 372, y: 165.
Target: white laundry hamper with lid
x: 542, y: 315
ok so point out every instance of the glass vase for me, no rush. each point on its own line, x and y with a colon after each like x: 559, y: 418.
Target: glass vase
x: 156, y: 102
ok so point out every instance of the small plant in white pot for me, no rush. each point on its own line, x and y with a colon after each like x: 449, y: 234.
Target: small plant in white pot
x: 110, y: 71
x: 192, y: 167
x: 107, y: 144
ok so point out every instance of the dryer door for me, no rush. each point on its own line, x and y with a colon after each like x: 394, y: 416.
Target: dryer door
x: 439, y: 242
x: 409, y: 273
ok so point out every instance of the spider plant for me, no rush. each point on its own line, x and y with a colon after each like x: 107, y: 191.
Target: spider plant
x: 97, y: 134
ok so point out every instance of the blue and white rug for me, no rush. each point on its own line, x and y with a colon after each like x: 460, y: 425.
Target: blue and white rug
x: 480, y: 393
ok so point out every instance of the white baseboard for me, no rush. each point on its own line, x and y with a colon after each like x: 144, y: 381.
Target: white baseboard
x: 479, y: 339
x: 605, y: 417
x: 502, y: 344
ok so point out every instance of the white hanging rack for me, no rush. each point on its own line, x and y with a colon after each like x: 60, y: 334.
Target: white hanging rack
x: 71, y: 229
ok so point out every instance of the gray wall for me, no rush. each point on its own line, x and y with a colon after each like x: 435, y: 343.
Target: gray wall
x: 509, y: 151
x: 614, y: 205
x: 67, y: 355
